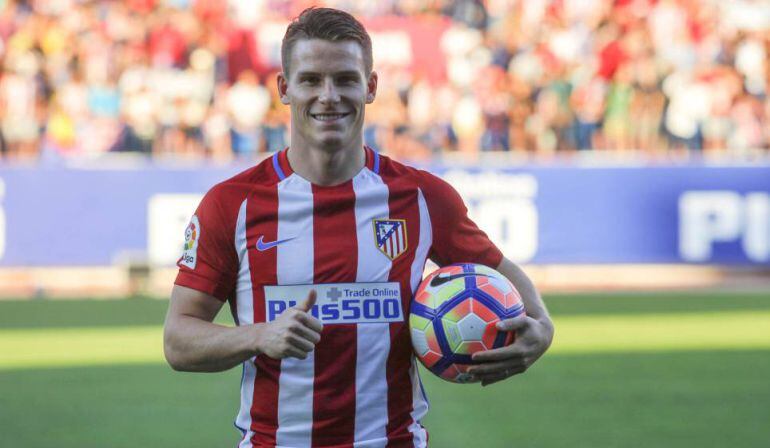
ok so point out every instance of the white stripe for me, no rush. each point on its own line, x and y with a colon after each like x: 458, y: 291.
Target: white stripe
x: 295, y: 266
x: 243, y: 290
x: 373, y: 340
x: 243, y: 421
x: 419, y: 409
x: 419, y: 401
x: 244, y: 300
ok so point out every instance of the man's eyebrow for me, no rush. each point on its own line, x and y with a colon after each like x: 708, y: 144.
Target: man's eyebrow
x: 347, y: 73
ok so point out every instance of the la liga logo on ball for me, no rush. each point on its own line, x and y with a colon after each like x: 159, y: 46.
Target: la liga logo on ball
x: 453, y: 316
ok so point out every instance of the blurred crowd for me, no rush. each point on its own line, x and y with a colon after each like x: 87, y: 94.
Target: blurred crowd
x: 195, y: 78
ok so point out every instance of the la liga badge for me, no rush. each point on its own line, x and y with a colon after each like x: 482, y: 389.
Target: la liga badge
x: 191, y: 237
x: 390, y: 236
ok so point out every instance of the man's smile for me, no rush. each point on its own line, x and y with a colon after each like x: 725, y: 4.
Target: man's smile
x: 328, y: 117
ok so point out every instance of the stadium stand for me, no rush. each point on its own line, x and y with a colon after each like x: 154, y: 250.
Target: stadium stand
x: 193, y: 79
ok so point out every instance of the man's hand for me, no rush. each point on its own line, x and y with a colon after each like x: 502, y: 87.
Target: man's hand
x: 293, y: 334
x: 533, y: 338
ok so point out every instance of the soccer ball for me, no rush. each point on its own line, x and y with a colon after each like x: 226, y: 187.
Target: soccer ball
x: 453, y: 316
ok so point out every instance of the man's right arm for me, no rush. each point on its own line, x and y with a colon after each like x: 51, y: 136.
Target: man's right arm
x: 192, y: 342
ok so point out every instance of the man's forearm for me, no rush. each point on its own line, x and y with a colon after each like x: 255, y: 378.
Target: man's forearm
x: 532, y: 302
x: 195, y: 345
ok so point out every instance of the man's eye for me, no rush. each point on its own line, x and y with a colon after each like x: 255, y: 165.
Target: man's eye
x: 309, y: 80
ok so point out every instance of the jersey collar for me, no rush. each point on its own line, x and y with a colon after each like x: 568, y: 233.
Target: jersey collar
x: 283, y: 168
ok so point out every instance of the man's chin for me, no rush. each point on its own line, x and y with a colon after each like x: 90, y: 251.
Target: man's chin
x: 330, y: 142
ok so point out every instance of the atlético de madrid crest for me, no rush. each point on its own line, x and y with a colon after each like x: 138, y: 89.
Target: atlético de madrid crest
x: 390, y: 236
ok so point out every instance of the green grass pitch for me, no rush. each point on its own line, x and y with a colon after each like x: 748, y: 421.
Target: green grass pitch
x: 626, y: 370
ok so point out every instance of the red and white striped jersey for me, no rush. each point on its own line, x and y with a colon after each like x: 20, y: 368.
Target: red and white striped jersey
x: 268, y: 228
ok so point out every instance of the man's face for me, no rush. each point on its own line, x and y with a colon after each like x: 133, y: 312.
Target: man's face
x: 327, y: 89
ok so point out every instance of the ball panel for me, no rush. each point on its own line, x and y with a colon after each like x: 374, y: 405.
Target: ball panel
x: 480, y: 309
x: 471, y: 327
x: 452, y: 333
x: 471, y: 347
x: 419, y: 322
x: 492, y: 290
x: 424, y: 297
x: 490, y: 335
x: 419, y: 342
x: 452, y: 269
x: 433, y: 342
x: 512, y: 299
x: 449, y: 374
x: 457, y: 312
x: 447, y: 292
x: 431, y: 358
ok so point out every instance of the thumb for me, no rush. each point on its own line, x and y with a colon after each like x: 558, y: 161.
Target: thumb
x: 309, y: 302
x: 513, y: 324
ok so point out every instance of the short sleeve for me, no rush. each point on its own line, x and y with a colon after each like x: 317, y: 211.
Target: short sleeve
x: 209, y: 262
x: 456, y: 238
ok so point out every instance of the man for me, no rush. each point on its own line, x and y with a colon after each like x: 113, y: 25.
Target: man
x: 304, y: 221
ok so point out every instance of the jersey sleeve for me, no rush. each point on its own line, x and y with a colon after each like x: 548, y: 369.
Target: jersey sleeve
x: 456, y: 238
x: 209, y: 262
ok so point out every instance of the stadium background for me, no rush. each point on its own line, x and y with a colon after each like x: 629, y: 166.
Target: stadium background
x: 606, y: 145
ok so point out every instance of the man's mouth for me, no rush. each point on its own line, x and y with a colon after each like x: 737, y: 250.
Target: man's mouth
x: 329, y: 117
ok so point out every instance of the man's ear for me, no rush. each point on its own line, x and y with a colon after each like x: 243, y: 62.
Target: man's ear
x: 371, y: 87
x: 283, y: 87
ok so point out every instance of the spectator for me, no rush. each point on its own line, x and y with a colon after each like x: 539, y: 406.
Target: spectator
x: 646, y: 107
x: 20, y: 99
x: 247, y: 104
x: 617, y: 113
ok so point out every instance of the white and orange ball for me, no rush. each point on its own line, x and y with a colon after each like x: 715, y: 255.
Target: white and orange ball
x: 453, y: 316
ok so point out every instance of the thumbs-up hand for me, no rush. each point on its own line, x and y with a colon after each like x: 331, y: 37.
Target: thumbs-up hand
x: 293, y: 334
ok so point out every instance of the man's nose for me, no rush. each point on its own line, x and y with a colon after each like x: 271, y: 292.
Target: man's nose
x: 329, y: 92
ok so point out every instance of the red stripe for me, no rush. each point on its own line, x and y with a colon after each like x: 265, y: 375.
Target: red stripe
x: 403, y: 205
x: 336, y: 260
x: 262, y: 219
x: 369, y: 161
x: 283, y: 161
x: 395, y: 242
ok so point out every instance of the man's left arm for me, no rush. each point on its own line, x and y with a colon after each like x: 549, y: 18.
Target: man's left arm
x: 534, y: 333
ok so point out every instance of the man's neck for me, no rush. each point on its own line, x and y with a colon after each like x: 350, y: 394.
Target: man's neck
x: 325, y: 167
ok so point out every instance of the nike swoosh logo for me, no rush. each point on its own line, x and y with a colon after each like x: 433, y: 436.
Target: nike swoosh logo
x: 441, y: 279
x: 263, y: 246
